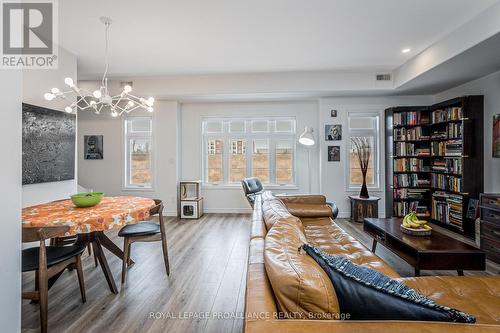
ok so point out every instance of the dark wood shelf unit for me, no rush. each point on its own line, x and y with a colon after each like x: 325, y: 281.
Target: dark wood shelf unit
x: 489, y: 207
x: 472, y: 139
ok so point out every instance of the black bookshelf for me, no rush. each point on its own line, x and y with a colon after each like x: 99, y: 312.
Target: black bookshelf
x: 436, y: 153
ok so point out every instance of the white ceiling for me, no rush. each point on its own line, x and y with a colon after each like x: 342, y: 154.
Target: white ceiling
x: 161, y: 37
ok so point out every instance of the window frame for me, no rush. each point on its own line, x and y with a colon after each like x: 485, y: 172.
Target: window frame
x: 126, y: 186
x: 272, y: 136
x: 375, y: 133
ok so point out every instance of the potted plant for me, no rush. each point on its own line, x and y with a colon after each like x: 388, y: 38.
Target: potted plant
x: 362, y: 148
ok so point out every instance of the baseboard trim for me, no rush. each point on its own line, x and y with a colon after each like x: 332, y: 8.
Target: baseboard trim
x: 228, y: 210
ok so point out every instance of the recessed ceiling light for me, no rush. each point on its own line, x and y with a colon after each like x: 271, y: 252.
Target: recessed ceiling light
x: 405, y: 50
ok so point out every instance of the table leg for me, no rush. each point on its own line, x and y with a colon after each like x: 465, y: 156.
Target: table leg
x: 417, y: 271
x: 374, y: 245
x: 98, y: 252
x: 460, y: 273
x: 94, y: 239
x: 112, y: 247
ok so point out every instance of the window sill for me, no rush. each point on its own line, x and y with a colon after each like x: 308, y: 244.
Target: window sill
x: 138, y: 189
x: 238, y: 187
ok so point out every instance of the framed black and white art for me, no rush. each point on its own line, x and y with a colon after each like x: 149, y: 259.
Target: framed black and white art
x: 333, y: 153
x: 333, y: 132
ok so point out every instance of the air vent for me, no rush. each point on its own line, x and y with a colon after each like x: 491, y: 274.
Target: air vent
x: 383, y: 77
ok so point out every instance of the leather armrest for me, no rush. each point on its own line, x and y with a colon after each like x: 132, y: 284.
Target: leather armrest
x: 313, y: 199
x: 309, y: 210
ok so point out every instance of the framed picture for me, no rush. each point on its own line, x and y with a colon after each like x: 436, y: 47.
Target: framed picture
x: 496, y: 135
x: 333, y: 153
x: 333, y: 132
x: 333, y: 113
x: 93, y: 147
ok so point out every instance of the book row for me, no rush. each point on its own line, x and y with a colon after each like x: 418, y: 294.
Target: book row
x: 410, y: 149
x: 410, y: 118
x: 447, y: 114
x: 410, y: 164
x: 410, y: 193
x: 447, y: 208
x: 411, y: 134
x: 449, y: 165
x: 447, y: 148
x: 410, y: 180
x: 446, y: 182
x: 403, y: 208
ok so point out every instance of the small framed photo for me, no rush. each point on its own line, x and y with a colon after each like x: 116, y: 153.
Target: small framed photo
x: 333, y: 153
x: 496, y: 136
x: 333, y: 113
x: 333, y: 132
x: 93, y: 148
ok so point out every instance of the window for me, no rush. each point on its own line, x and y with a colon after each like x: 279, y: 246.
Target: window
x: 239, y: 148
x: 363, y: 127
x: 138, y: 152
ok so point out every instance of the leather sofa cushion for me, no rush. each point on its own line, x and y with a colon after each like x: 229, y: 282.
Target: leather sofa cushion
x: 273, y: 210
x: 477, y: 295
x: 327, y: 235
x: 366, y: 294
x: 310, y: 199
x: 300, y: 286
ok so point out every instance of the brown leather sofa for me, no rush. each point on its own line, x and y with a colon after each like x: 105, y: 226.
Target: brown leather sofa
x: 288, y: 291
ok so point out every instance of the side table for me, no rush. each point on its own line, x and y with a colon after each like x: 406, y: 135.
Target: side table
x: 363, y: 207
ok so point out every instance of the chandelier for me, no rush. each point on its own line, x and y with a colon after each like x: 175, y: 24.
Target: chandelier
x: 101, y: 99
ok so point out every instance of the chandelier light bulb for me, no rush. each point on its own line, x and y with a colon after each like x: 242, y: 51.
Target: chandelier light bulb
x: 92, y: 102
x: 127, y: 88
x: 150, y: 101
x: 68, y: 109
x: 97, y: 94
x: 49, y: 96
x: 69, y: 81
x: 130, y: 104
x: 55, y: 91
x: 150, y: 109
x: 114, y: 114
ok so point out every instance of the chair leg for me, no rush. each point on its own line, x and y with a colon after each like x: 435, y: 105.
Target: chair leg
x: 165, y: 253
x: 44, y: 294
x: 81, y: 282
x: 126, y: 256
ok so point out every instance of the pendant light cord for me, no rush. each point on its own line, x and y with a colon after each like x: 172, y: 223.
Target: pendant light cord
x: 104, y: 84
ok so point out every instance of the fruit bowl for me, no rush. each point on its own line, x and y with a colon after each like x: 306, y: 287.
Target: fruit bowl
x: 415, y: 231
x: 88, y: 199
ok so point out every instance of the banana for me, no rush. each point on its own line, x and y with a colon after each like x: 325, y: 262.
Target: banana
x: 411, y: 220
x: 426, y: 226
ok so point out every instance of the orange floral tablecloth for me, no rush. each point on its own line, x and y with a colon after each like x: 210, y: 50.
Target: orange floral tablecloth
x: 110, y: 213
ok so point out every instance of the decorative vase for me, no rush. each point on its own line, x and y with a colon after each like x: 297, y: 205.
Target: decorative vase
x: 364, y: 190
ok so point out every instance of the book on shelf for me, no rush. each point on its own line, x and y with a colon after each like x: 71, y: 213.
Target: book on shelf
x: 447, y: 148
x: 449, y: 165
x: 446, y: 182
x: 447, y: 208
x: 447, y: 114
x: 409, y: 165
x: 411, y: 134
x: 410, y: 149
x: 410, y: 118
x: 410, y: 193
x: 410, y: 180
x: 402, y: 208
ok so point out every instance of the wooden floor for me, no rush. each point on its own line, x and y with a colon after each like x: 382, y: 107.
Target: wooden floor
x: 208, y: 268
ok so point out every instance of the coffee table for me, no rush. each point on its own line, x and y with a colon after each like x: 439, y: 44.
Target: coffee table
x: 434, y: 252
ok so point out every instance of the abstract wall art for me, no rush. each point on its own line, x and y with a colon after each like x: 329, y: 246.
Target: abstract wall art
x: 48, y: 145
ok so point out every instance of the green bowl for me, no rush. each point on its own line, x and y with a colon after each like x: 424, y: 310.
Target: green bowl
x: 89, y: 199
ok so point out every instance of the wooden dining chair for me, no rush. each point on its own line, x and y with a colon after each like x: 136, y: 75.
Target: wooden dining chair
x: 49, y: 262
x: 147, y: 231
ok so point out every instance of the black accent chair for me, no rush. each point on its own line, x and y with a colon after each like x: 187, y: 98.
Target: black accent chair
x: 147, y: 231
x: 252, y: 187
x: 334, y: 208
x: 48, y: 263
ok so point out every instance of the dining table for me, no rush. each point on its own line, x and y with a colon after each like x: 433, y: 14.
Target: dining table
x: 89, y: 224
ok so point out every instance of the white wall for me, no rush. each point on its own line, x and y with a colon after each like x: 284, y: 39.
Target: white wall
x: 37, y: 82
x: 231, y: 199
x: 107, y: 175
x: 10, y: 204
x: 489, y: 86
x: 334, y: 174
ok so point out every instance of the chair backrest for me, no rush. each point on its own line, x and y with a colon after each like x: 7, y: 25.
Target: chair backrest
x: 33, y: 234
x: 251, y: 185
x: 158, y: 207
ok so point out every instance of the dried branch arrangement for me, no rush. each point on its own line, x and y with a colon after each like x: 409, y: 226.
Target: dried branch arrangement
x: 362, y: 149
